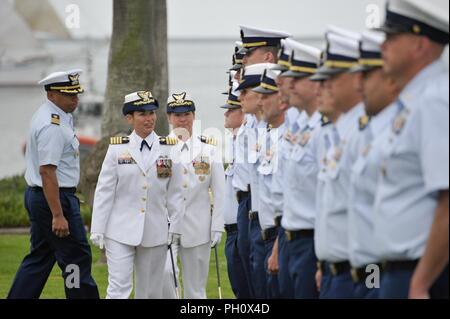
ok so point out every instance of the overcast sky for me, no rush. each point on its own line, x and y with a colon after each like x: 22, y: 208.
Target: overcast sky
x: 220, y: 18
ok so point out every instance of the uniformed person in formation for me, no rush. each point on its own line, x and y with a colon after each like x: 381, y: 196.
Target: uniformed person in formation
x: 273, y: 115
x: 259, y: 46
x: 330, y: 233
x: 234, y: 117
x: 301, y: 171
x: 202, y: 175
x: 138, y: 189
x: 379, y: 92
x: 52, y: 175
x: 411, y: 207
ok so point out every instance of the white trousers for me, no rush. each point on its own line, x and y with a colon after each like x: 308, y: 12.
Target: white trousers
x: 147, y: 264
x: 195, y: 270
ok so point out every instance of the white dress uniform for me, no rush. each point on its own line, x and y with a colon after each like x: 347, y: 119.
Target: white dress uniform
x: 203, y: 172
x: 365, y: 152
x: 331, y: 221
x: 55, y: 143
x: 301, y: 179
x: 415, y: 166
x: 134, y: 198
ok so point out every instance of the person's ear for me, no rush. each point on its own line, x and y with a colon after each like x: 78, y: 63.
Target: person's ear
x: 129, y: 118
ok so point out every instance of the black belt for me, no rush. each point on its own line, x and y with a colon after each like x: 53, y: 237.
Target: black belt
x: 399, y: 265
x: 298, y: 234
x: 269, y: 233
x: 339, y: 268
x: 359, y: 275
x: 231, y: 228
x: 252, y: 215
x: 241, y: 194
x: 61, y: 189
x: 278, y: 221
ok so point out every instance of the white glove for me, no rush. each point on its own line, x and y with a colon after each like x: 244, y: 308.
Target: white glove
x: 174, y: 239
x: 216, y: 237
x: 98, y: 240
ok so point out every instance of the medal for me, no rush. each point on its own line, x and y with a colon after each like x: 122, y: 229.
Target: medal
x: 164, y: 167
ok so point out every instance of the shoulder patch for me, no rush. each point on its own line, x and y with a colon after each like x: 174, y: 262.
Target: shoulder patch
x: 325, y: 120
x: 167, y: 140
x: 55, y: 119
x: 363, y: 122
x: 208, y: 140
x: 117, y: 140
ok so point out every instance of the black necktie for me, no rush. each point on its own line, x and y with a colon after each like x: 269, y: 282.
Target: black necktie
x: 144, y: 143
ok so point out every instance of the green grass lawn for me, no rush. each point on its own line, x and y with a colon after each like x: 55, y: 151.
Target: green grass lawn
x: 14, y: 247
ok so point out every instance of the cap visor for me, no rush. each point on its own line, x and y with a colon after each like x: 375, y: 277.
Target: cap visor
x: 236, y: 67
x: 280, y: 68
x: 230, y: 107
x: 298, y: 75
x: 319, y: 77
x: 263, y: 90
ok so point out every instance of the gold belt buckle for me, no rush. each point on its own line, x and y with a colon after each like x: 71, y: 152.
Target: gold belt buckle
x: 288, y: 235
x: 333, y: 269
x: 354, y: 274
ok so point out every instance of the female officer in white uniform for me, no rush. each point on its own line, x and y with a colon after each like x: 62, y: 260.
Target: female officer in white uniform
x: 202, y: 172
x: 139, y: 188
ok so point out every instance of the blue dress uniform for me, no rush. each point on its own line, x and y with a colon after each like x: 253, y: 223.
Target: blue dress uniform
x: 331, y: 239
x: 415, y: 156
x: 52, y: 141
x: 236, y: 272
x: 300, y: 182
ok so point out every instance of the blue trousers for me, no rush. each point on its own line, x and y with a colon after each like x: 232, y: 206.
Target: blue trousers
x: 395, y: 285
x: 284, y: 278
x: 360, y: 291
x: 303, y: 267
x: 236, y: 273
x: 325, y: 282
x: 47, y: 248
x: 272, y: 285
x: 257, y: 260
x: 243, y: 239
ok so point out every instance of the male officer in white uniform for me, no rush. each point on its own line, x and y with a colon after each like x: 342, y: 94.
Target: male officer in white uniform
x: 379, y: 91
x: 203, y: 173
x: 331, y: 242
x: 52, y: 175
x: 139, y: 188
x: 301, y: 171
x: 411, y: 207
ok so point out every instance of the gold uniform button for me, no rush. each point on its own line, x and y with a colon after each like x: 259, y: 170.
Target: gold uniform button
x: 185, y: 171
x: 142, y: 210
x: 144, y: 199
x: 144, y: 187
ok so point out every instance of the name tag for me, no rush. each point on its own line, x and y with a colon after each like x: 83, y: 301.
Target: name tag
x: 126, y: 160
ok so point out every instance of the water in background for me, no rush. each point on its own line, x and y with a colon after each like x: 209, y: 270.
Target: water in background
x: 197, y: 66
